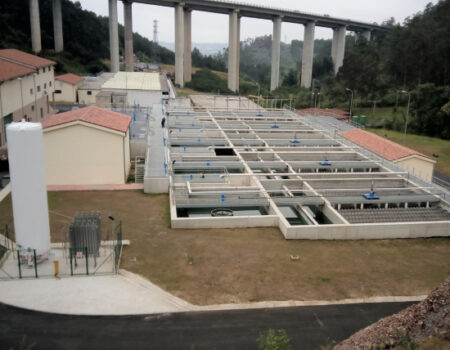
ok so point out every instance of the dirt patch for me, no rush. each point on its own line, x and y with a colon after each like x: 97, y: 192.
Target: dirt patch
x: 211, y: 266
x: 426, y: 323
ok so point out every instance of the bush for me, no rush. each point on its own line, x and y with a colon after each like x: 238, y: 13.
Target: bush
x: 207, y: 81
x: 274, y: 340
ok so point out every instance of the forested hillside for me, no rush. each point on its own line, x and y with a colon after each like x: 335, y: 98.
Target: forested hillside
x: 86, y: 36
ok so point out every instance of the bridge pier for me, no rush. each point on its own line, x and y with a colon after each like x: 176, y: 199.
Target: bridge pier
x: 58, y: 26
x: 113, y: 37
x: 128, y: 22
x: 308, y: 54
x: 334, y: 45
x: 179, y: 45
x: 338, y: 47
x: 275, y: 69
x: 233, y: 51
x: 367, y: 34
x: 187, y: 59
x: 35, y: 25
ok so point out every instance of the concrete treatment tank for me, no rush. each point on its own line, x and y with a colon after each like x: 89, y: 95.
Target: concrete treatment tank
x: 28, y: 187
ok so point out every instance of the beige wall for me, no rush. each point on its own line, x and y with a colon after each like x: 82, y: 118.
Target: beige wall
x: 68, y: 92
x: 20, y: 97
x: 85, y: 99
x: 417, y: 166
x: 11, y: 96
x: 79, y: 154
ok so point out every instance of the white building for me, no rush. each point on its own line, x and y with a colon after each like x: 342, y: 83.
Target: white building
x: 26, y: 82
x: 66, y: 87
x: 143, y: 89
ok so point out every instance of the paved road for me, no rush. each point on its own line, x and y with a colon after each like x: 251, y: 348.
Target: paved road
x: 308, y: 327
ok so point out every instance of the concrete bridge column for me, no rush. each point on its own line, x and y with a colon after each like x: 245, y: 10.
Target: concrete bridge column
x: 128, y: 21
x: 367, y: 34
x: 276, y: 38
x: 334, y: 44
x: 340, y: 48
x: 308, y: 54
x: 238, y: 50
x: 179, y: 45
x: 233, y: 51
x: 58, y: 26
x: 113, y: 36
x: 187, y: 59
x: 35, y: 25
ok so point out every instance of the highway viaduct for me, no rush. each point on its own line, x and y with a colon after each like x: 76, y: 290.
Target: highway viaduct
x: 235, y: 10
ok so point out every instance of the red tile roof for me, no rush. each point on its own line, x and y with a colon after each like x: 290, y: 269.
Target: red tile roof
x: 9, y: 70
x: 92, y: 115
x: 379, y: 145
x: 70, y: 78
x: 25, y: 58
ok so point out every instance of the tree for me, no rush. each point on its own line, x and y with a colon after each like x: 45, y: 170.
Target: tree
x: 290, y: 79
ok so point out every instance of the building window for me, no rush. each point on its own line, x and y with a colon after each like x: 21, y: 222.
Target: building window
x: 32, y: 108
x: 45, y: 85
x: 38, y: 88
x: 31, y: 91
x: 57, y: 91
x: 49, y: 83
x: 42, y: 112
x: 89, y: 92
x: 43, y: 70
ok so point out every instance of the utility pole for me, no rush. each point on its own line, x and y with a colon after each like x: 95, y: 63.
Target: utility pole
x: 407, y: 113
x: 373, y: 109
x: 351, y: 100
x: 155, y: 31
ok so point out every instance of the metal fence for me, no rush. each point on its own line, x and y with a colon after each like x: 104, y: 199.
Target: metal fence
x: 63, y: 261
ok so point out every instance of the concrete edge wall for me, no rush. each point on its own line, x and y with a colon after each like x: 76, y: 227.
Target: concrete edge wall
x: 370, y: 231
x: 156, y: 185
x: 137, y: 149
x: 228, y: 222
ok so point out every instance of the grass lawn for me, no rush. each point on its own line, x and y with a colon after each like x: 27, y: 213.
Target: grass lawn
x: 380, y: 113
x: 241, y: 265
x: 424, y: 144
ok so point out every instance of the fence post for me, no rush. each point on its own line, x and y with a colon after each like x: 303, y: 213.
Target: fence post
x: 87, y: 261
x: 18, y: 261
x: 35, y: 263
x: 71, y: 266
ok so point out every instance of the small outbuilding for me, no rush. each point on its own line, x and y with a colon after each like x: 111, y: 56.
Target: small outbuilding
x: 406, y: 158
x: 87, y: 146
x: 66, y: 87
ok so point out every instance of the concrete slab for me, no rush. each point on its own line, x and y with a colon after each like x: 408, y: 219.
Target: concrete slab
x: 122, y: 294
x: 156, y: 144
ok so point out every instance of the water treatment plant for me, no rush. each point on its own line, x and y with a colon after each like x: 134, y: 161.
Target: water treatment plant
x: 258, y: 168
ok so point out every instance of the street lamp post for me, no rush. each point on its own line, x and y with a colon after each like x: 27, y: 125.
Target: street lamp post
x: 21, y: 95
x: 407, y: 113
x: 351, y: 101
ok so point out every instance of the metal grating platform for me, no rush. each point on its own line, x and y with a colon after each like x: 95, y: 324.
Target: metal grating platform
x: 360, y: 216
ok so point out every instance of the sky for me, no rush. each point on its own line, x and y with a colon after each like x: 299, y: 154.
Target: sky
x: 213, y: 28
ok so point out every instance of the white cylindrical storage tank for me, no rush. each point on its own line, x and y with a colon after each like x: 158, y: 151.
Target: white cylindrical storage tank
x: 28, y: 186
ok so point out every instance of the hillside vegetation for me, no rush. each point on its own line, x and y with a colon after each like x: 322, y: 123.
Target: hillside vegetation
x: 86, y: 37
